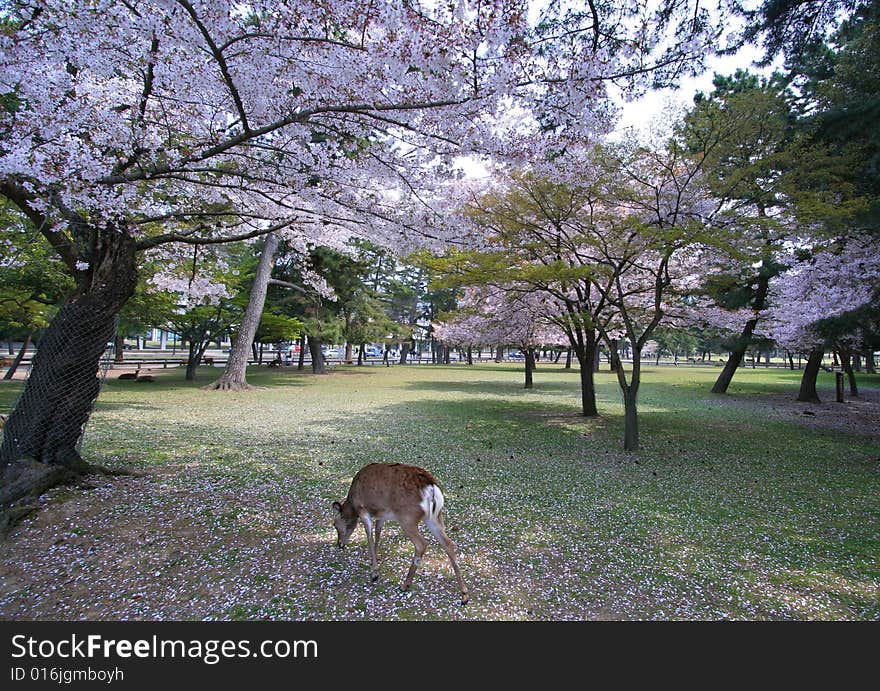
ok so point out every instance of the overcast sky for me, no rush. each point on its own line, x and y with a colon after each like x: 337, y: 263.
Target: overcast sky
x: 639, y: 113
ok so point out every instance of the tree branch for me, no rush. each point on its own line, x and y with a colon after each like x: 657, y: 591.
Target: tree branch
x: 221, y: 62
x: 191, y: 239
x: 285, y: 284
x: 59, y: 241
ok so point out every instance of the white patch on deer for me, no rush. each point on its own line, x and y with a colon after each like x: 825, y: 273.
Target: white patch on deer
x: 432, y: 502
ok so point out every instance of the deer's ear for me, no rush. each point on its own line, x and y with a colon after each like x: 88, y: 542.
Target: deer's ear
x: 337, y: 507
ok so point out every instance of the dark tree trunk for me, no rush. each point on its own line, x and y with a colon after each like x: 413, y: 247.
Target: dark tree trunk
x: 300, y: 365
x: 470, y: 355
x: 530, y: 366
x: 361, y: 354
x: 586, y: 354
x: 196, y: 353
x: 568, y: 359
x: 119, y: 348
x: 790, y: 362
x: 613, y: 361
x: 41, y: 435
x: 870, y: 366
x: 807, y: 393
x: 404, y: 351
x: 630, y: 391
x: 630, y: 419
x: 10, y: 373
x: 846, y: 358
x: 733, y: 362
x: 317, y: 356
x: 349, y: 354
x: 744, y: 340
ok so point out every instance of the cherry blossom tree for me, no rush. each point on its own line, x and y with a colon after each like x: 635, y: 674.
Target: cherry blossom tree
x: 744, y: 130
x: 646, y: 243
x: 200, y: 282
x: 507, y: 314
x: 127, y: 126
x: 825, y: 299
x: 524, y: 233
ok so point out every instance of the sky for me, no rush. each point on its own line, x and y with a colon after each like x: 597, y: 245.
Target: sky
x: 639, y: 114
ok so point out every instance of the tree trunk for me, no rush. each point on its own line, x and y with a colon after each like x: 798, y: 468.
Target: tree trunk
x: 870, y: 366
x: 300, y: 365
x: 588, y: 386
x: 118, y: 348
x: 317, y: 356
x: 361, y: 354
x: 404, y: 351
x: 530, y: 366
x: 734, y: 361
x: 613, y: 361
x: 568, y: 359
x: 470, y: 355
x: 630, y: 419
x: 846, y: 360
x: 41, y: 436
x: 196, y: 353
x: 234, y: 377
x: 630, y: 397
x: 790, y: 362
x: 10, y: 373
x: 807, y: 393
x: 349, y: 354
x: 745, y: 339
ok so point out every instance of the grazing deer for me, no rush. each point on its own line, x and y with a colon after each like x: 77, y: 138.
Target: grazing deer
x: 403, y: 493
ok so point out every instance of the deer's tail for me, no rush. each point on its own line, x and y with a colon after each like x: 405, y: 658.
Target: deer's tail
x: 432, y: 503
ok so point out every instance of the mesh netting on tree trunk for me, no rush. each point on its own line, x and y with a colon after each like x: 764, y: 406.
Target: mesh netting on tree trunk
x: 65, y: 378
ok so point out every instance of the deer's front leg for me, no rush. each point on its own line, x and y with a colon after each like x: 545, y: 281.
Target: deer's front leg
x: 377, y: 532
x: 368, y: 528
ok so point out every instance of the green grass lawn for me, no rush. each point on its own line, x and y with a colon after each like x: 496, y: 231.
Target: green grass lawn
x: 735, y: 508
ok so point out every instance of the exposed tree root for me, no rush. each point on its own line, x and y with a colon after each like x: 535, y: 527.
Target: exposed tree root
x: 227, y: 385
x: 24, y: 481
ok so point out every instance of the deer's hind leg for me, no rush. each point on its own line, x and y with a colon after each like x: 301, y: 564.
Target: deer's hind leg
x: 437, y: 529
x: 412, y: 532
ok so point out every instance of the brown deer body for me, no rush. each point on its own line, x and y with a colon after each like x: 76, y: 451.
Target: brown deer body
x: 404, y: 493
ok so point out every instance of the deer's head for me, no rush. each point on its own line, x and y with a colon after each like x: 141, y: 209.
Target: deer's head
x: 345, y: 520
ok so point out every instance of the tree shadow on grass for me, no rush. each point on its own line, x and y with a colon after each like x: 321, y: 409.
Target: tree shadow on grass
x: 712, y: 519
